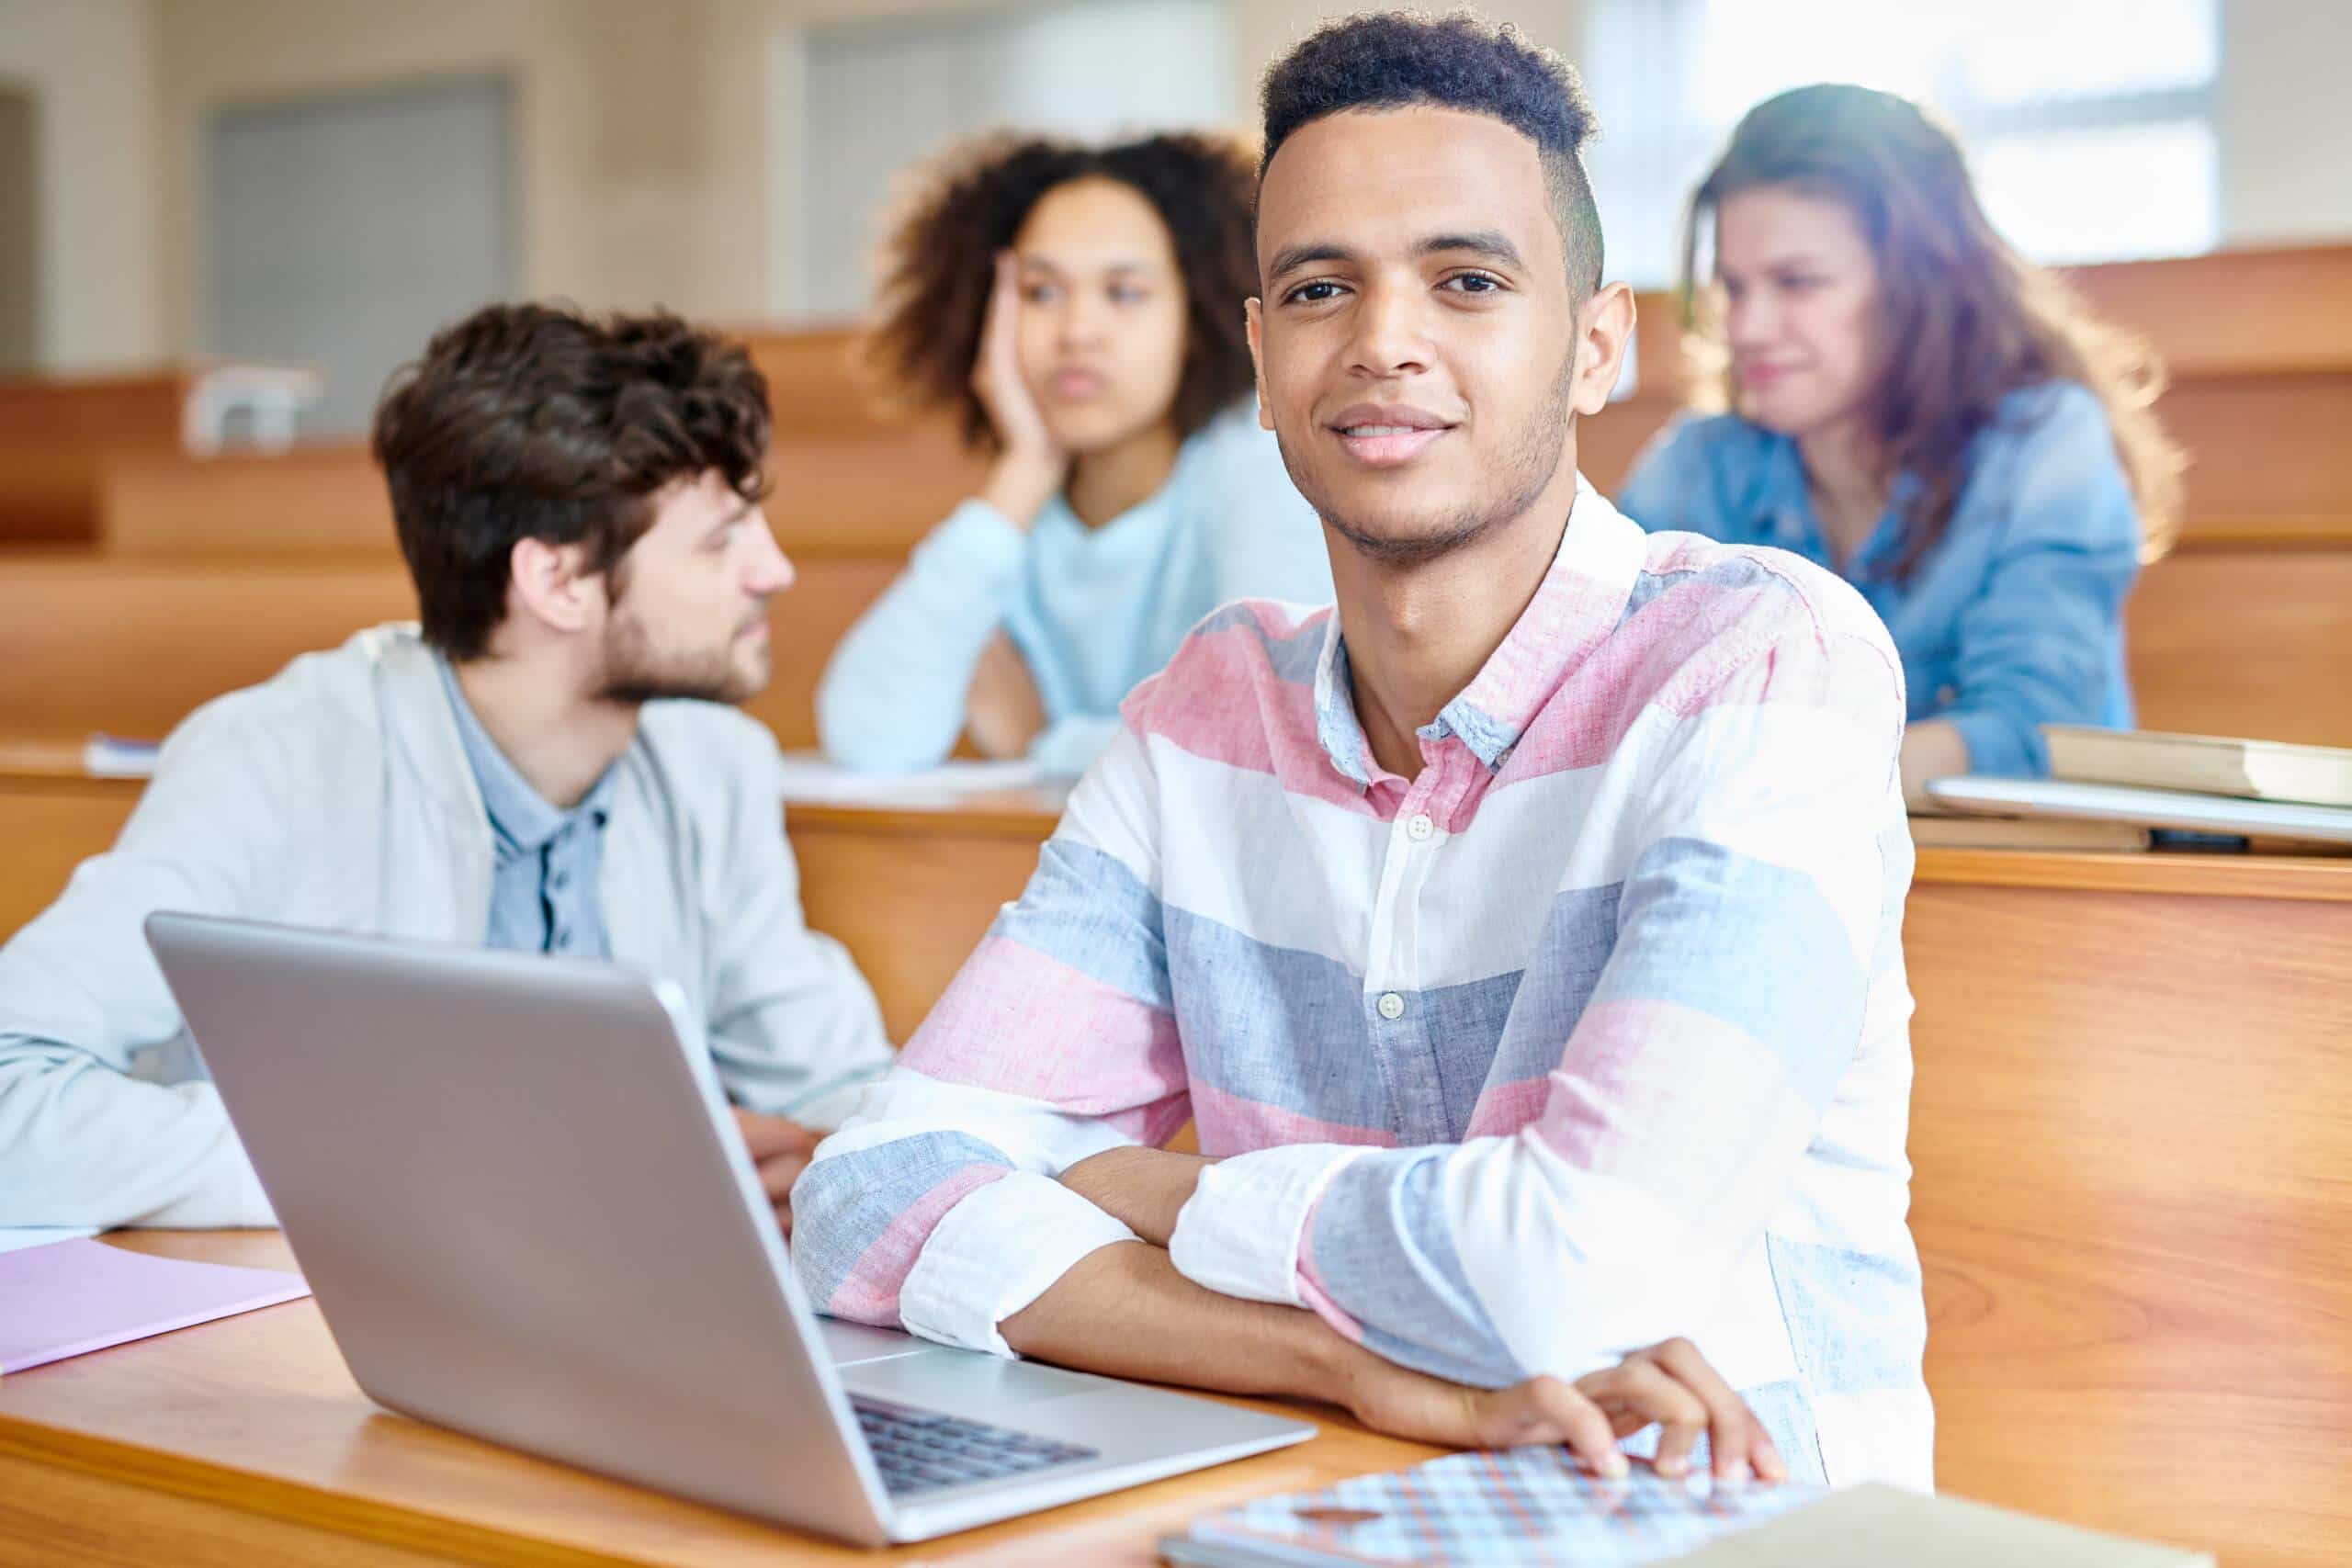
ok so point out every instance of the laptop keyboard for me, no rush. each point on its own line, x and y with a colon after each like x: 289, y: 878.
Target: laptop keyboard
x: 920, y: 1451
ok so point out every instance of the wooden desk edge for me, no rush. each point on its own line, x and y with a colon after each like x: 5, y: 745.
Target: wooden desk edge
x: 290, y: 1502
x: 2316, y: 879
x: 1030, y: 815
x: 999, y: 813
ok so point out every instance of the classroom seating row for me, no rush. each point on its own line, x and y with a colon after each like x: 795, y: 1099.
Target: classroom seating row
x: 2128, y: 1147
x: 2231, y: 642
x: 2268, y: 470
x: 232, y: 564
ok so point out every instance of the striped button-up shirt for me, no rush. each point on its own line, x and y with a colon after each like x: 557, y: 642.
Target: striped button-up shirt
x: 1593, y: 1032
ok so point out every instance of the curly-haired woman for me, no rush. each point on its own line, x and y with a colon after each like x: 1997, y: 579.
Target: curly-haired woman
x: 1080, y: 309
x: 1918, y: 409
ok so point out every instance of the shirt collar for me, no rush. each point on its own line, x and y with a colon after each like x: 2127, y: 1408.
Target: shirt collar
x: 522, y: 822
x: 1576, y: 609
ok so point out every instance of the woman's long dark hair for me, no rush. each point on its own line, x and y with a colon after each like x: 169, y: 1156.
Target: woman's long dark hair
x: 1971, y: 320
x: 940, y: 262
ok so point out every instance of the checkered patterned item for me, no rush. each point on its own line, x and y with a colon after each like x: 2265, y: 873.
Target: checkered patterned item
x: 1521, y: 1506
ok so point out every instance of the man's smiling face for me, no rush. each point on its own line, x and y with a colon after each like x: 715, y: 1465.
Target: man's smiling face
x: 1416, y: 333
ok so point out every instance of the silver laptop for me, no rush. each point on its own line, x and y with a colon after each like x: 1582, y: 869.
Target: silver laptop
x: 526, y: 1213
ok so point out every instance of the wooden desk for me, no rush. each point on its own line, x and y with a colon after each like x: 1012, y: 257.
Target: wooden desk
x: 245, y: 1442
x: 2132, y: 1144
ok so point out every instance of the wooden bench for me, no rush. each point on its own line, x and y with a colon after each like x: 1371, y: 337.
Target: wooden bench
x: 59, y: 433
x: 132, y: 647
x: 2258, y: 311
x: 864, y: 494
x: 2250, y: 640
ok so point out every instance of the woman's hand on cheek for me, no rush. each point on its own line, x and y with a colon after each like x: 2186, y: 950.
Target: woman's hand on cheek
x: 1030, y: 469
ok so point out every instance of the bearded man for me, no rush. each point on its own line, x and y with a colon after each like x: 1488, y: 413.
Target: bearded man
x: 550, y: 762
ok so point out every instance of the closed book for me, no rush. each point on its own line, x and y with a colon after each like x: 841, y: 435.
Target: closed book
x: 1874, y: 1527
x: 2205, y: 764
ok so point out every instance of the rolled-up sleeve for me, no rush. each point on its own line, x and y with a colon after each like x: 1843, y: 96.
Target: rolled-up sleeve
x: 936, y: 1207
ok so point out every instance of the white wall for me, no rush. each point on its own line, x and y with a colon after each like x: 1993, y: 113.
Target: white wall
x: 90, y: 66
x: 654, y: 148
x: 1264, y: 28
x: 2286, y: 122
x: 638, y: 145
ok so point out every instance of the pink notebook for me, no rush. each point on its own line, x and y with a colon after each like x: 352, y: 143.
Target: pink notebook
x: 68, y: 1297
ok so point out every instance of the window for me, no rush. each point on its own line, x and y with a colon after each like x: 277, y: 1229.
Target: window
x: 2089, y: 123
x: 344, y: 231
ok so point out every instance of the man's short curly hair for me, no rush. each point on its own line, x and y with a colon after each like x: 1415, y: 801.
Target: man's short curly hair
x: 938, y: 263
x: 540, y: 421
x: 1396, y: 60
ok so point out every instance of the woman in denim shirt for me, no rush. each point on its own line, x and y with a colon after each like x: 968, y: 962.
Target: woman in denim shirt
x: 1917, y: 408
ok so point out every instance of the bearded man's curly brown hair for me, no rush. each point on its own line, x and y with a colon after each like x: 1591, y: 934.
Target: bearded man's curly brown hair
x: 938, y: 263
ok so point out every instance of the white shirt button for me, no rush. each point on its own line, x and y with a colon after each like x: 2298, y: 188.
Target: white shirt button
x: 1392, y: 1006
x: 1421, y: 827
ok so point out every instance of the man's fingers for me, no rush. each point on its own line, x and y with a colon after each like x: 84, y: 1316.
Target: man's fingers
x: 764, y: 1136
x: 1734, y: 1435
x: 1639, y: 1392
x: 1552, y: 1410
x: 777, y: 1175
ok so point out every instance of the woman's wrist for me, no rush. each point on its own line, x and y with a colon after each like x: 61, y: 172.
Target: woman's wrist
x: 1020, y: 482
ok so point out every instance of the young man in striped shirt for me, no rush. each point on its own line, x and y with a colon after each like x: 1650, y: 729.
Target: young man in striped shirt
x: 1522, y: 936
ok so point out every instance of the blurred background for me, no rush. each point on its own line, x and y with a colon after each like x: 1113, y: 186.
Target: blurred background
x: 325, y: 180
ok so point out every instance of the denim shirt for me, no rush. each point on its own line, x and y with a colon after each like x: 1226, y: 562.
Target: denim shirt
x: 545, y: 888
x: 2012, y: 620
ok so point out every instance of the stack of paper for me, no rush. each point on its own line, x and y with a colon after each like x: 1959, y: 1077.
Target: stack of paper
x: 811, y: 779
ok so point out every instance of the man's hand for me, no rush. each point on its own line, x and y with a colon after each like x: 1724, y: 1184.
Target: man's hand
x: 1002, y: 712
x: 1123, y: 1311
x: 1669, y: 1383
x: 780, y: 1147
x: 1142, y: 1188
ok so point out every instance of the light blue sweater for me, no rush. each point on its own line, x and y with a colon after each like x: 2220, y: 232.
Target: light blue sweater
x: 1092, y: 610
